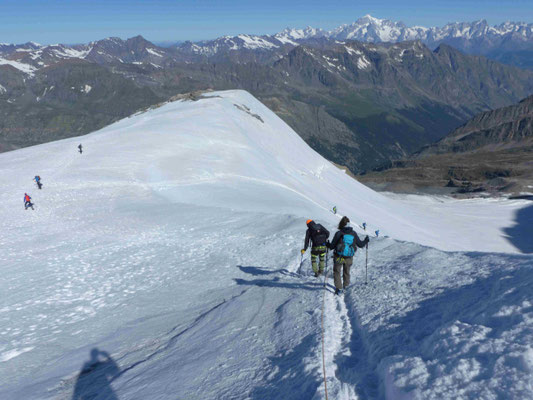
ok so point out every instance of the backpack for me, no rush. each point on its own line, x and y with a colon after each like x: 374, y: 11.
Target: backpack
x: 345, y: 247
x: 319, y: 236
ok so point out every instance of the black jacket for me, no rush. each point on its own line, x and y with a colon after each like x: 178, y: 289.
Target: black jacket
x: 347, y: 230
x: 316, y: 234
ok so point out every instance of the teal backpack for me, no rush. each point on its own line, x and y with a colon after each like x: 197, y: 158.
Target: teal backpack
x: 345, y: 247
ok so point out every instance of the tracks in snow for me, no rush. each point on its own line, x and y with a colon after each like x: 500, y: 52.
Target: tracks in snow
x: 349, y: 374
x: 338, y: 335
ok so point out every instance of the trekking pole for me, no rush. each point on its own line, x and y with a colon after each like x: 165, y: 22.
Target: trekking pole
x: 366, y: 266
x: 326, y: 273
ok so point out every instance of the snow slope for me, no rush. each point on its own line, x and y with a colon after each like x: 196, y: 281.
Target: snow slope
x: 171, y: 245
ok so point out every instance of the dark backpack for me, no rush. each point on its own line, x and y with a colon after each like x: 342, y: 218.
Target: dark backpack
x: 319, y: 236
x: 345, y: 247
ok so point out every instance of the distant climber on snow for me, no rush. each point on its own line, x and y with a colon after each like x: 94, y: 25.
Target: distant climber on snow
x: 318, y: 236
x: 344, y: 246
x: 334, y: 209
x: 37, y: 180
x: 27, y: 201
x: 79, y: 147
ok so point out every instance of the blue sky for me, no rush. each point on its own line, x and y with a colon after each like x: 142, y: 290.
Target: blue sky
x: 73, y: 21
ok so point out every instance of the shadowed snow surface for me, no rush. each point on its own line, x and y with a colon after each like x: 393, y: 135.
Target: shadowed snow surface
x: 163, y: 263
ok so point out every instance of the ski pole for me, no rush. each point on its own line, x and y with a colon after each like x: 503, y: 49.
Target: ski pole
x: 326, y: 273
x: 366, y: 266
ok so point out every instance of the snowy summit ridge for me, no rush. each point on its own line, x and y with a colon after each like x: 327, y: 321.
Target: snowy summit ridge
x: 165, y: 260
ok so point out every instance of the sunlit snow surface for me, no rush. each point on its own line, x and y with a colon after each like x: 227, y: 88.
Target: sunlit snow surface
x: 172, y: 243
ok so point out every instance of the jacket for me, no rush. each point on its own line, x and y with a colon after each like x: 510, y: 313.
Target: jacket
x: 316, y: 234
x: 347, y: 230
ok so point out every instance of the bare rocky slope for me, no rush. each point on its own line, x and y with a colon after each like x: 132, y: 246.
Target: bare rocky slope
x: 493, y: 152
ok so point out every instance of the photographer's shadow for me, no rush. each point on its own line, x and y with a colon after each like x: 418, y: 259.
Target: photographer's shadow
x: 94, y: 380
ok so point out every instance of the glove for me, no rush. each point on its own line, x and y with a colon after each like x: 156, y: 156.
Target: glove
x: 303, y: 251
x: 328, y: 244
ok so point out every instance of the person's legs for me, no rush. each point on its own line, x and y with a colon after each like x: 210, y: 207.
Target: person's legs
x: 337, y: 267
x: 346, y: 272
x: 322, y: 262
x: 316, y: 253
x: 314, y: 263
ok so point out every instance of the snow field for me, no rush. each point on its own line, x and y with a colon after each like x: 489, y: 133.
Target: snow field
x: 157, y: 310
x: 447, y: 325
x: 173, y: 241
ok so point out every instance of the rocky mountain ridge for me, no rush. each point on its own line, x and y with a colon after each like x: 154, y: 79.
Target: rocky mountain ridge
x: 492, y: 152
x: 501, y: 129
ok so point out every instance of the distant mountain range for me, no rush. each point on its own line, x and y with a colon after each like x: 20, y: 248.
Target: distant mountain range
x: 359, y: 104
x: 510, y: 42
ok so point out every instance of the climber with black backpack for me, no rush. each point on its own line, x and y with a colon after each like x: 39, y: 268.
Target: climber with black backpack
x: 344, y: 245
x: 318, y: 236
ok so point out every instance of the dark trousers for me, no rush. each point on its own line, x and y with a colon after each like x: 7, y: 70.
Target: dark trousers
x: 342, y: 264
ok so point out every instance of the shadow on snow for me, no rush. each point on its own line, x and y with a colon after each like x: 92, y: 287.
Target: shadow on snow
x: 276, y: 281
x: 473, y: 304
x: 521, y: 234
x: 94, y: 380
x: 290, y: 379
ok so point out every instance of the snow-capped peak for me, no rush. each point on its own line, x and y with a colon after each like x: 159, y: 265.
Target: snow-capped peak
x: 369, y: 18
x: 306, y: 33
x: 372, y: 29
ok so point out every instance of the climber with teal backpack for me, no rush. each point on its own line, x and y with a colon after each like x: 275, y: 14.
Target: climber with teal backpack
x: 344, y: 245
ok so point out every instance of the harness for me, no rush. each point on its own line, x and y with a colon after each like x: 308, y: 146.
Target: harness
x: 318, y: 249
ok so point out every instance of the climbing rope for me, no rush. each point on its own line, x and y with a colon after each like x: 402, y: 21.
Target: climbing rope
x: 323, y: 307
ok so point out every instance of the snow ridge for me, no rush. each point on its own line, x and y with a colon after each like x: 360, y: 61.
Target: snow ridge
x: 199, y: 294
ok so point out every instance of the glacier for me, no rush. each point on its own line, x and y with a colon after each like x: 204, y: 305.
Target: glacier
x: 163, y: 263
